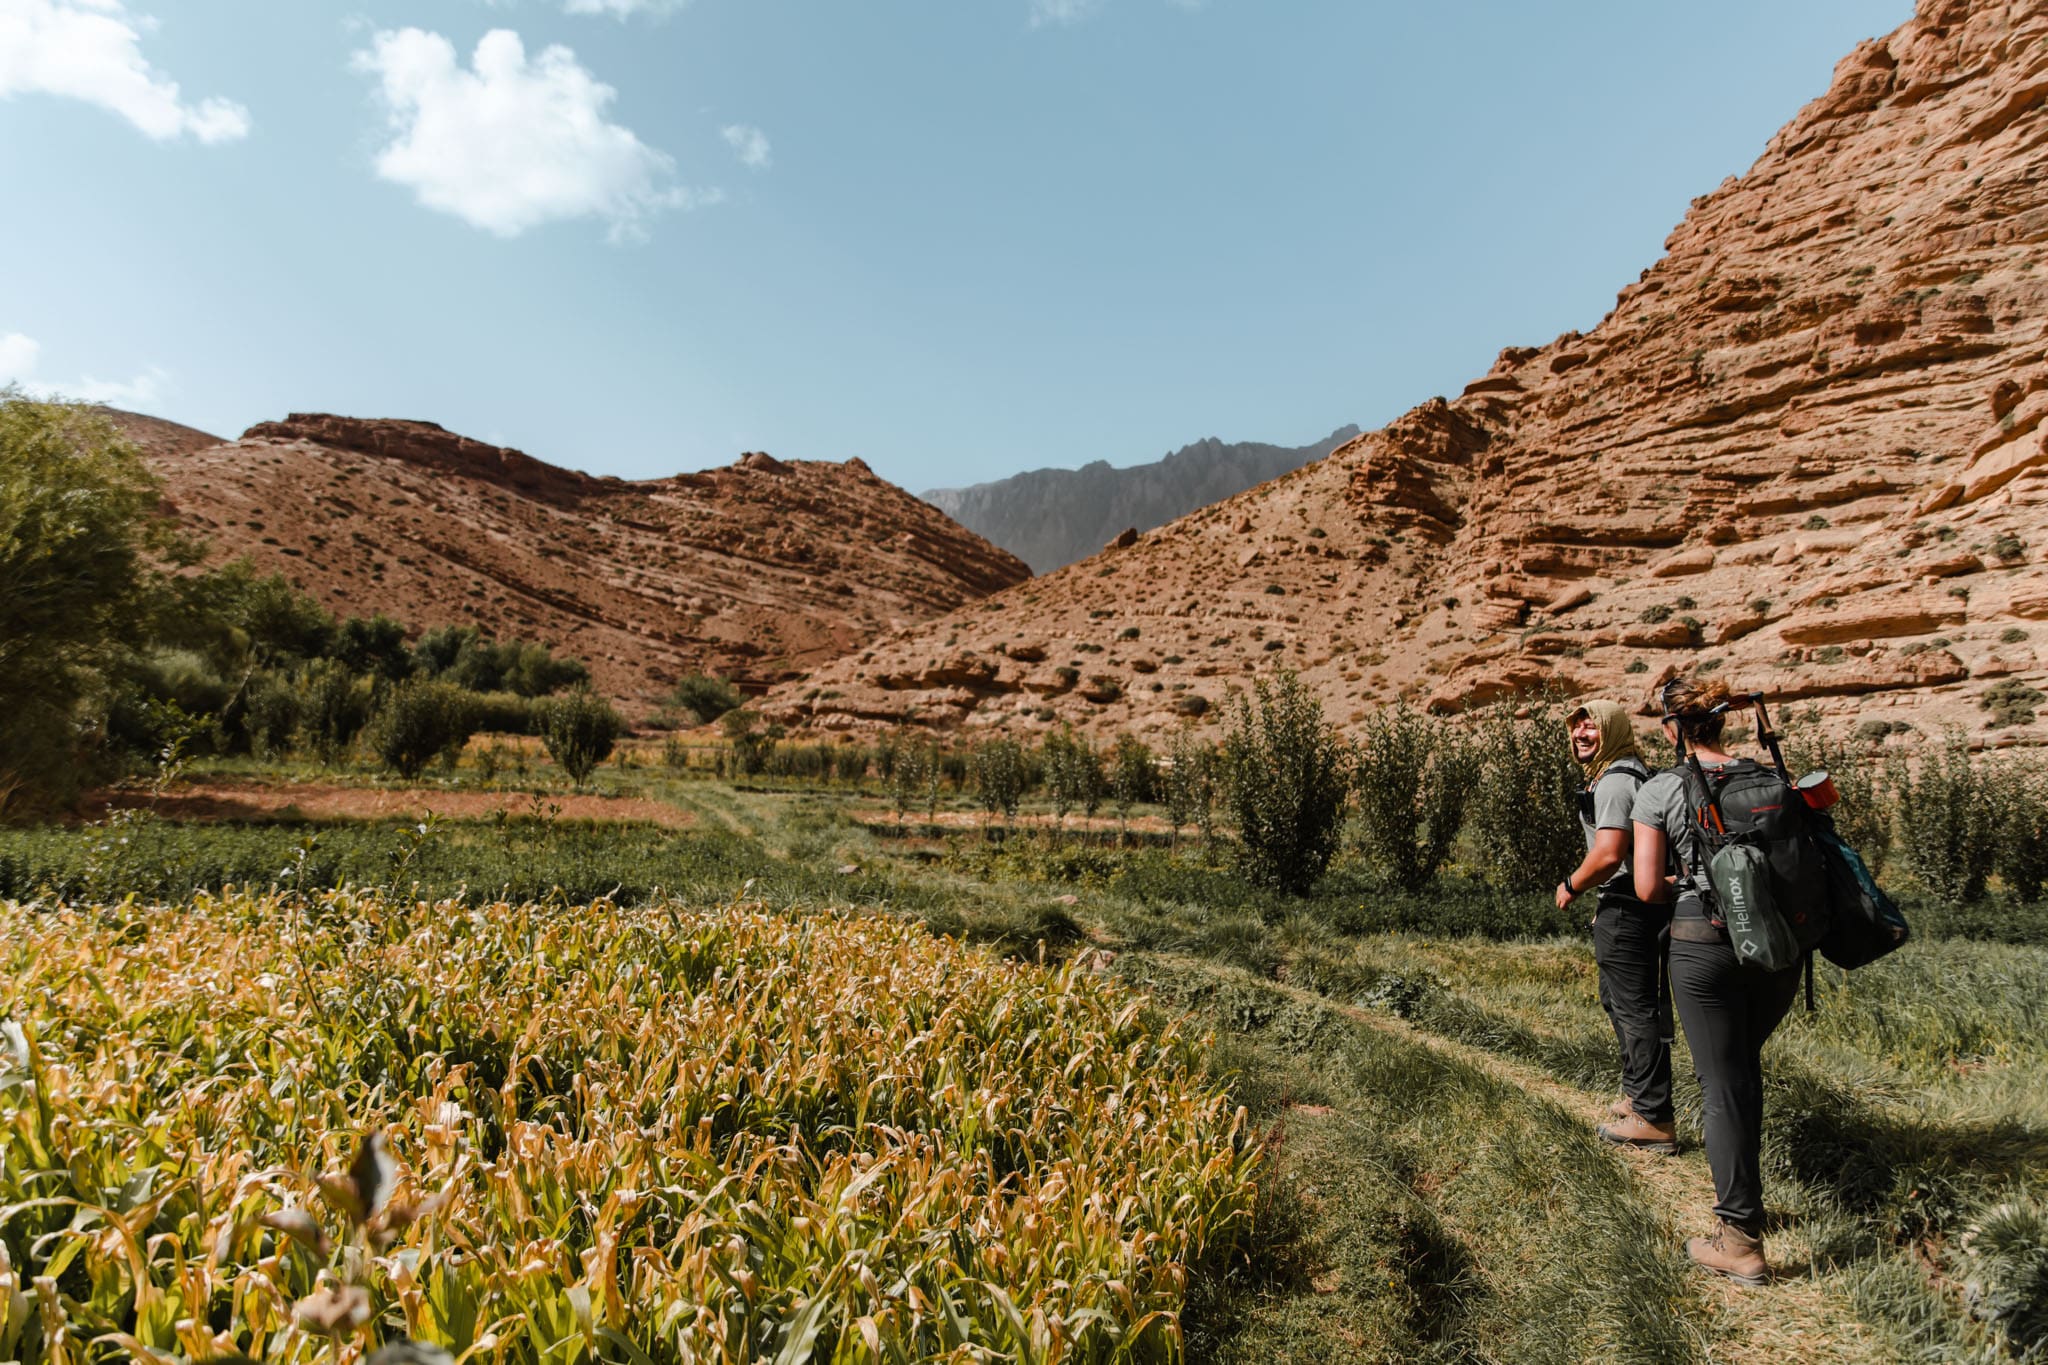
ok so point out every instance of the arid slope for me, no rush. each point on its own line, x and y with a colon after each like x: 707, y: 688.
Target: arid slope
x: 755, y: 571
x: 1805, y: 449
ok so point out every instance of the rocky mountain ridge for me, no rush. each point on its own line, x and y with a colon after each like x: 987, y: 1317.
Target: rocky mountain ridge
x: 755, y: 571
x: 1051, y: 517
x: 1805, y: 451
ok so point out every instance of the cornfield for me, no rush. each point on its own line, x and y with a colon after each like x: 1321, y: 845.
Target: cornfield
x: 294, y: 1128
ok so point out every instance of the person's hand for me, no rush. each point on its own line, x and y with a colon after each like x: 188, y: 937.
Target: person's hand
x: 1564, y: 896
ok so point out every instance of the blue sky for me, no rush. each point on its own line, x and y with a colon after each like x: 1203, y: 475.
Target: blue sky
x: 958, y: 238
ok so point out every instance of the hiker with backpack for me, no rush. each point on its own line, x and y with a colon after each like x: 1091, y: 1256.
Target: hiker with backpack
x: 1728, y: 1000
x: 1628, y: 934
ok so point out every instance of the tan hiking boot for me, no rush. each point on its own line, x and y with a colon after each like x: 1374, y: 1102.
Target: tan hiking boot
x: 1636, y: 1131
x: 1732, y: 1252
x: 1621, y: 1108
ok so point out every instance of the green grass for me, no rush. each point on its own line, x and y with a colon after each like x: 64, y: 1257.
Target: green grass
x: 1451, y: 1204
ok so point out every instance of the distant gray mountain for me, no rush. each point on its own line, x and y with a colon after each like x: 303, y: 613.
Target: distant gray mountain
x: 1052, y: 517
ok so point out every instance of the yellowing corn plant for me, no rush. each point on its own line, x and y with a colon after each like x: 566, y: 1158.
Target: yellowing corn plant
x: 296, y: 1128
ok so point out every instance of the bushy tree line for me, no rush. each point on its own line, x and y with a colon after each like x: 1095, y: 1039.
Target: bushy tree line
x: 1950, y: 818
x: 1412, y: 785
x: 115, y: 648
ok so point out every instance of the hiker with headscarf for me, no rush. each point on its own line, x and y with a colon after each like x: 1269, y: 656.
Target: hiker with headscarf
x: 1629, y: 936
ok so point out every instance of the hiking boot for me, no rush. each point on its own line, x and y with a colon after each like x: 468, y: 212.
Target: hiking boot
x: 1621, y: 1108
x: 1638, y: 1132
x: 1732, y: 1252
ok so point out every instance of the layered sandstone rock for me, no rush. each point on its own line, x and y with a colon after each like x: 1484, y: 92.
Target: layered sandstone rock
x: 1807, y: 450
x: 756, y: 571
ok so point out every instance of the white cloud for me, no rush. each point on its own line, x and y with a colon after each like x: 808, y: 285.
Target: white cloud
x: 91, y: 50
x: 1045, y: 12
x: 623, y: 9
x: 512, y: 143
x: 750, y: 145
x: 20, y: 355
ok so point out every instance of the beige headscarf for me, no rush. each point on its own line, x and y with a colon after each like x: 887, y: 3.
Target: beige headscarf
x: 1617, y: 735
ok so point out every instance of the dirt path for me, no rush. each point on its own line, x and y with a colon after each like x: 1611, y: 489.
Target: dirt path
x: 224, y: 801
x: 1797, y: 1318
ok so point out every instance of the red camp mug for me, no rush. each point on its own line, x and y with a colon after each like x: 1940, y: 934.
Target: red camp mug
x: 1817, y: 789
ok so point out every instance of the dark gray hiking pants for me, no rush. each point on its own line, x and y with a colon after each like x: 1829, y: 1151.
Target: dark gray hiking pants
x: 1729, y: 1011
x: 1628, y: 943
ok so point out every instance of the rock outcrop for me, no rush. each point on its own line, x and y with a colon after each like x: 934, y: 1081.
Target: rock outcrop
x: 756, y: 571
x: 1806, y: 450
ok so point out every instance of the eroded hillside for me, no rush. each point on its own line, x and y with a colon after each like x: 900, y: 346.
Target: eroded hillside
x: 755, y: 571
x: 1805, y: 449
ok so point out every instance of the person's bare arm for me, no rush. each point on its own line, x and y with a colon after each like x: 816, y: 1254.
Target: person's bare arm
x: 1610, y: 846
x: 1647, y: 865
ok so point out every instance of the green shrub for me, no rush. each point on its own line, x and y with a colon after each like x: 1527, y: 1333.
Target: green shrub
x: 334, y: 706
x: 1073, y: 773
x: 2010, y: 702
x: 2020, y: 796
x: 1948, y: 820
x: 1652, y: 615
x: 373, y: 645
x: 999, y: 776
x: 503, y: 713
x: 1191, y: 785
x: 1863, y: 815
x: 1288, y: 784
x: 913, y: 773
x: 1523, y: 811
x: 471, y: 659
x: 1413, y: 776
x: 705, y: 697
x: 579, y: 730
x: 1132, y: 774
x: 270, y: 715
x: 2008, y: 547
x: 420, y: 720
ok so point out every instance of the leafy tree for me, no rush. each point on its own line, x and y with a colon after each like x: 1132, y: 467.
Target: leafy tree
x: 271, y: 714
x: 1948, y: 820
x: 1413, y: 776
x: 2020, y: 796
x: 1132, y: 775
x: 906, y: 774
x: 75, y: 534
x: 707, y: 698
x: 333, y: 707
x: 580, y: 730
x: 420, y: 720
x: 1288, y: 784
x: 1524, y: 804
x: 472, y: 659
x: 999, y: 776
x: 1191, y: 784
x: 373, y: 645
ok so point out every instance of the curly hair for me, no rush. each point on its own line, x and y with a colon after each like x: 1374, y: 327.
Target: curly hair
x: 1691, y: 703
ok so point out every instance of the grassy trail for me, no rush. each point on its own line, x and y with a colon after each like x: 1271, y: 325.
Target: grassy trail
x: 1798, y: 1317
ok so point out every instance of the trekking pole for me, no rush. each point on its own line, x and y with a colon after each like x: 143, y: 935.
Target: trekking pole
x: 1768, y: 737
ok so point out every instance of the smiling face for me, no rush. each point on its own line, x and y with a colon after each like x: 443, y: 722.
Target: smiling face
x: 1585, y: 733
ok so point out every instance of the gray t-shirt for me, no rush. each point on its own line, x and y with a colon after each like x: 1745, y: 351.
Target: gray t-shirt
x: 1614, y: 798
x: 1661, y: 804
